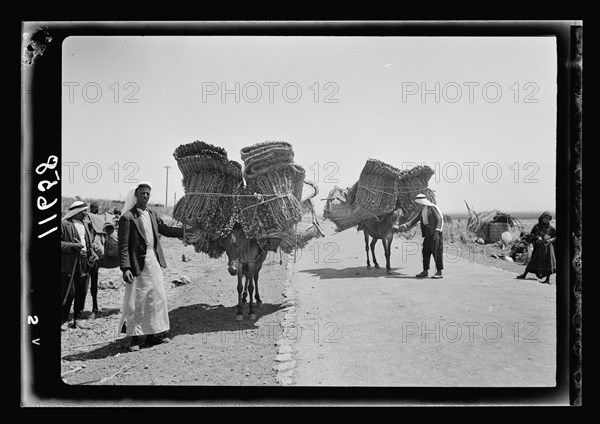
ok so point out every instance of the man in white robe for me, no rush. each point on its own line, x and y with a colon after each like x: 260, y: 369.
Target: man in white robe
x: 145, y: 311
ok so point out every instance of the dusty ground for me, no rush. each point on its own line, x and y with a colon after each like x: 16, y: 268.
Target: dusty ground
x: 476, y: 327
x: 336, y: 299
x: 208, y: 346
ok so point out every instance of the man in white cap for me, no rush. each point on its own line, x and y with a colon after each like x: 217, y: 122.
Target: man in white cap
x: 77, y: 256
x: 432, y: 223
x: 145, y: 311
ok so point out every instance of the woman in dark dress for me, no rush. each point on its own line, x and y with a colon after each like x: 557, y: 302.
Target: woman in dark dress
x: 543, y: 261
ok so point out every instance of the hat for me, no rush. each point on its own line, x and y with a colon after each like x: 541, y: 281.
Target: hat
x: 421, y: 199
x: 76, y: 207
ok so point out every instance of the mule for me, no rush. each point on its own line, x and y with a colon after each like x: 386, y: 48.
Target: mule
x: 245, y: 260
x: 380, y: 228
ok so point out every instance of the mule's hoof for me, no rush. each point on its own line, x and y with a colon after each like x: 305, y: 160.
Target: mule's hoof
x: 389, y: 271
x: 377, y: 266
x: 252, y: 316
x: 258, y: 304
x: 239, y: 317
x: 368, y: 266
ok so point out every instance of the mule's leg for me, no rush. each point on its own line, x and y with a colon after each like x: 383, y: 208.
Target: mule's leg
x: 259, y: 264
x: 245, y: 293
x: 387, y: 246
x: 240, y: 287
x: 373, y: 243
x: 250, y: 280
x: 367, y: 248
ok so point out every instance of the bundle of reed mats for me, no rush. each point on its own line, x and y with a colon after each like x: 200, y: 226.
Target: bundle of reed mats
x: 263, y: 212
x: 273, y: 192
x: 211, y: 182
x: 338, y: 208
x: 261, y: 156
x: 411, y: 182
x: 203, y: 241
x: 303, y: 232
x: 261, y: 160
x: 199, y: 156
x: 376, y: 193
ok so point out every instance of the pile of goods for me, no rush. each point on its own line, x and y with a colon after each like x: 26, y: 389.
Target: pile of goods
x: 208, y: 209
x: 271, y: 174
x: 308, y: 228
x: 268, y: 197
x: 338, y: 208
x: 381, y: 189
x: 376, y: 193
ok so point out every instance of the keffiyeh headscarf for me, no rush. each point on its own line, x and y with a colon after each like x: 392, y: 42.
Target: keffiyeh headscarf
x: 130, y: 200
x: 421, y: 199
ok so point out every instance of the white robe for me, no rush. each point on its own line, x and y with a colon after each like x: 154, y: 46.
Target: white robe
x: 145, y: 302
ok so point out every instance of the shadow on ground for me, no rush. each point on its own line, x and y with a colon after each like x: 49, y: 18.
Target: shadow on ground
x: 191, y: 319
x: 353, y: 272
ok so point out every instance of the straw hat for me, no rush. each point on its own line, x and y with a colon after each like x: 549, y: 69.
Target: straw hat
x: 76, y: 207
x: 421, y: 199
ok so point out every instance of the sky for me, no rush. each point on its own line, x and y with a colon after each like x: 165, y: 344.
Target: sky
x: 481, y: 111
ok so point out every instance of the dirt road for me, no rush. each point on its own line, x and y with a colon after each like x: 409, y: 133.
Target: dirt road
x: 328, y: 321
x: 477, y: 326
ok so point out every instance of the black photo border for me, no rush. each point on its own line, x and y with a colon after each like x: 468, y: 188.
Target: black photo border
x: 41, y: 97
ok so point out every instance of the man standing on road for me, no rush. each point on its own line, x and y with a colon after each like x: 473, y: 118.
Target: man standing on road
x: 145, y: 311
x: 94, y: 209
x: 432, y: 223
x: 77, y: 256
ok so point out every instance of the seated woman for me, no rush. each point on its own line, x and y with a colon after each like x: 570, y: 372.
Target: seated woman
x: 543, y: 261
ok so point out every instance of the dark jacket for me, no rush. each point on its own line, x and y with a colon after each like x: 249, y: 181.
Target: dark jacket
x: 68, y: 246
x: 132, y: 240
x: 434, y: 219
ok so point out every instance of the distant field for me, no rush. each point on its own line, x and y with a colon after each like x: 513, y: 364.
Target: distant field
x: 107, y: 205
x: 528, y: 219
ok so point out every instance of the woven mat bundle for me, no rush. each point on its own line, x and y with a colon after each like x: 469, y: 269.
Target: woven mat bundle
x: 200, y: 156
x: 203, y: 241
x: 307, y: 229
x: 278, y: 183
x: 261, y: 156
x: 410, y: 183
x: 376, y: 193
x: 339, y: 210
x: 208, y: 207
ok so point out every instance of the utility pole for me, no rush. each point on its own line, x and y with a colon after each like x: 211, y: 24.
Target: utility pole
x: 167, y: 185
x: 174, y: 199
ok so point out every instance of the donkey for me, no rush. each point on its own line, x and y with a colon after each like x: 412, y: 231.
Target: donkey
x: 245, y: 259
x: 380, y: 228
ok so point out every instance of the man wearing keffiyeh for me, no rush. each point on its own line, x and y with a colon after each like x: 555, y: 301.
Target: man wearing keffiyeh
x: 432, y: 223
x: 145, y: 311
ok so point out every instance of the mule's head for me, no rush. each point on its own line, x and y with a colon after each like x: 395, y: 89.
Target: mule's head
x: 231, y: 244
